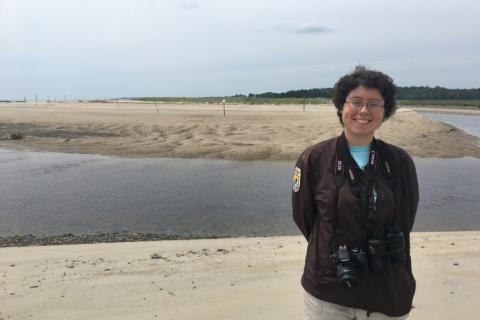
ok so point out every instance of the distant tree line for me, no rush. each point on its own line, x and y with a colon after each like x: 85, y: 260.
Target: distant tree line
x: 438, y: 93
x: 403, y: 93
x: 303, y: 93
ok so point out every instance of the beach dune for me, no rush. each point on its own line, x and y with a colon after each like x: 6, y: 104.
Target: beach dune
x: 247, y: 132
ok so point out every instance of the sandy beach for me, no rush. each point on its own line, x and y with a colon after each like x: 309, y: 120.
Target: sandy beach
x: 240, y: 278
x: 248, y: 132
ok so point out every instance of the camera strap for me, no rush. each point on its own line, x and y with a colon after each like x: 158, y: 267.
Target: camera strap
x: 385, y: 152
x: 345, y: 165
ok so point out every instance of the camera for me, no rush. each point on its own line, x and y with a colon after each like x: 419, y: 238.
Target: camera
x: 391, y: 247
x: 349, y: 264
x: 395, y: 242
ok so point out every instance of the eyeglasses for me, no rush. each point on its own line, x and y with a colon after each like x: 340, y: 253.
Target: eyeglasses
x: 371, y: 105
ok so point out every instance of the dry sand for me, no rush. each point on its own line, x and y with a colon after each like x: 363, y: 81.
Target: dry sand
x: 200, y: 131
x: 242, y: 278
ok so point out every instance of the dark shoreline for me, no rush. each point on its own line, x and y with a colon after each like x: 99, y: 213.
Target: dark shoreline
x: 30, y: 240
x: 68, y: 238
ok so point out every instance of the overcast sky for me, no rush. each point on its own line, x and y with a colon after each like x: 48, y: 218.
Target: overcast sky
x: 122, y: 48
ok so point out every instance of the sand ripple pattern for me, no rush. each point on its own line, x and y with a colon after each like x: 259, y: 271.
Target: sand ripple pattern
x: 246, y: 133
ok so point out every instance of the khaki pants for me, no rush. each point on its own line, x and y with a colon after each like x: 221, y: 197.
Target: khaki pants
x: 316, y: 309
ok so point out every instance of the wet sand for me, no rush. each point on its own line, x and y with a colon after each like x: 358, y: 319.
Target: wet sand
x: 258, y: 132
x: 241, y: 278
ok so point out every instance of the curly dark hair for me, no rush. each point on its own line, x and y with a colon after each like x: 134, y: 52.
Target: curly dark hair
x: 371, y: 79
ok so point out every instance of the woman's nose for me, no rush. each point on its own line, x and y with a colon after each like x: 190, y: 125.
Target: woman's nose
x: 364, y: 108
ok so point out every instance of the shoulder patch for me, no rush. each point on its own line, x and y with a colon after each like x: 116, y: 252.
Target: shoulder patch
x: 297, y: 175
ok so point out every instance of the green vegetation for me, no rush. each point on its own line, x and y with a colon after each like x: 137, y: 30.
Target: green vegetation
x: 303, y: 93
x: 437, y: 93
x: 418, y: 96
x: 235, y: 100
x: 403, y: 93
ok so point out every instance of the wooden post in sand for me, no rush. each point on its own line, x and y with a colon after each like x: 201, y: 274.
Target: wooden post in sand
x: 223, y: 101
x: 158, y: 116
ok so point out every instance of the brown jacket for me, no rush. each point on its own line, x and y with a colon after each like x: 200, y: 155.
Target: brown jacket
x: 389, y: 291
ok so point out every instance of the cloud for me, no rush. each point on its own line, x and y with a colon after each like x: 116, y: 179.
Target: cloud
x: 311, y: 29
x: 188, y: 4
x: 301, y: 29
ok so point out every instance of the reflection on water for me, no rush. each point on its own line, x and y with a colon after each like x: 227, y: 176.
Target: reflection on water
x: 449, y: 198
x: 51, y: 193
x: 57, y: 193
x: 468, y: 123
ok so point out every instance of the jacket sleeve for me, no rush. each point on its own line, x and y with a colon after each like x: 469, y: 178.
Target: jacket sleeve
x: 303, y: 203
x: 412, y: 190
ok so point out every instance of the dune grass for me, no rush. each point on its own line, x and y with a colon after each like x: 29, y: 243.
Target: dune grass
x: 277, y: 101
x: 234, y: 100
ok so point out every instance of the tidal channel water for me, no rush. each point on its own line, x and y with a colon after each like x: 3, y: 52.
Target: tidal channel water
x: 46, y: 193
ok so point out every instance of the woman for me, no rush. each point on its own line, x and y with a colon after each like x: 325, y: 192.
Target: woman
x: 355, y: 199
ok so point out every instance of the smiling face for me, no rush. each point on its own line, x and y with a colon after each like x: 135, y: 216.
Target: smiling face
x: 360, y: 123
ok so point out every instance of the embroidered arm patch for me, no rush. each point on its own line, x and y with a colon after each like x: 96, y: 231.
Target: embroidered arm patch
x: 297, y: 174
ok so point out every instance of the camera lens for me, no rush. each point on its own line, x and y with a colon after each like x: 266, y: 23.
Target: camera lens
x: 346, y: 276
